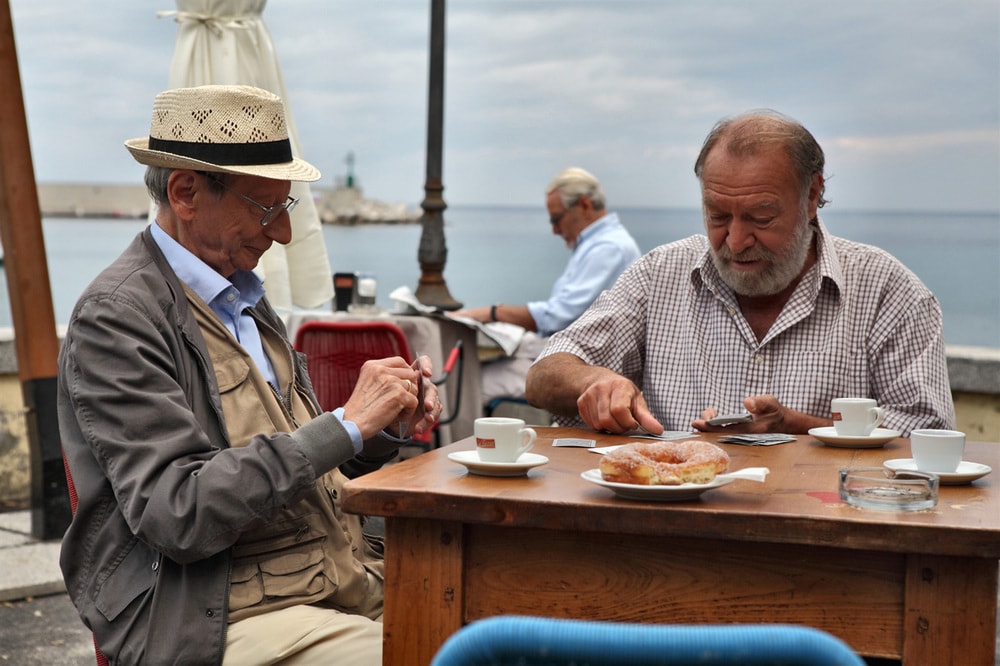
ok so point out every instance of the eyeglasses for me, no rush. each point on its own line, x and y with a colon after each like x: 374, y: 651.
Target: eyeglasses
x: 554, y: 220
x: 270, y: 212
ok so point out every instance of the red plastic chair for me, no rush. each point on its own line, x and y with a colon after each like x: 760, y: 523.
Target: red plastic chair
x: 74, y: 499
x: 336, y: 350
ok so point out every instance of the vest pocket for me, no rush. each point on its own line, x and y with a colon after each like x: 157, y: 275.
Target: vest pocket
x: 283, y: 565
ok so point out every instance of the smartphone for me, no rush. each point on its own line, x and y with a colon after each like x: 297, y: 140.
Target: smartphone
x: 730, y: 419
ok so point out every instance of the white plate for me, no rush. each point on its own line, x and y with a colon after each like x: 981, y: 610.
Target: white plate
x: 476, y: 466
x: 879, y: 437
x: 967, y: 472
x: 684, y: 491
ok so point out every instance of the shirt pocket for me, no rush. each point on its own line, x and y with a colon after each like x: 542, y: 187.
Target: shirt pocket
x: 283, y: 564
x: 231, y: 370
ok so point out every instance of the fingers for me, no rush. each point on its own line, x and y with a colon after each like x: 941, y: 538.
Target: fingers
x: 615, y: 404
x: 391, y: 394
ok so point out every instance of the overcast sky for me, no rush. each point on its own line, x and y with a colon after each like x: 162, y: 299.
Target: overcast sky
x: 904, y: 95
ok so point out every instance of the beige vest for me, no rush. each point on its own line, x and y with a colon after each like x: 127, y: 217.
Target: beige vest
x: 309, y: 552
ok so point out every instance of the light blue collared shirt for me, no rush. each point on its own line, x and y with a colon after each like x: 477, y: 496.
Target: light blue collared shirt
x: 229, y: 300
x: 603, y: 251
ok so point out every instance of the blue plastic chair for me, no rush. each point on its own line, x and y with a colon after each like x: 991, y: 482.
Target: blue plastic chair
x: 537, y: 641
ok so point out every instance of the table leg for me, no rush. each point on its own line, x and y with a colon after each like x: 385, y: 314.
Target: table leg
x: 951, y: 613
x: 423, y: 588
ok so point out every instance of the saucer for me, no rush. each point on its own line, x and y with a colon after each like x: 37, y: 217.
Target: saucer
x: 967, y: 472
x: 684, y: 491
x: 476, y: 466
x: 879, y: 437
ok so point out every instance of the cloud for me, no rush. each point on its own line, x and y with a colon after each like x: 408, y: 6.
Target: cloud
x: 629, y: 87
x: 903, y: 146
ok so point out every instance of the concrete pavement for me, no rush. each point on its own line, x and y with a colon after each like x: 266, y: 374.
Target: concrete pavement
x: 28, y: 568
x: 38, y: 623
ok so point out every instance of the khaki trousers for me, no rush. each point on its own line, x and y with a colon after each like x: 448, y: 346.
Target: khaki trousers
x: 305, y: 635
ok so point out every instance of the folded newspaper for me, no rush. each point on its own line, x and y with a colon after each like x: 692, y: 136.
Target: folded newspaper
x: 498, y: 335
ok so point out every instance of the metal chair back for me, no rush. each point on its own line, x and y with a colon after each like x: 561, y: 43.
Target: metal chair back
x: 336, y: 350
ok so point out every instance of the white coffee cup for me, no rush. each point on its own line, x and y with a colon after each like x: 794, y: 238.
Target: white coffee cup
x: 937, y: 450
x: 501, y: 439
x: 856, y: 417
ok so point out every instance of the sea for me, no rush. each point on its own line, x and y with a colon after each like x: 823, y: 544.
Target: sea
x: 502, y: 254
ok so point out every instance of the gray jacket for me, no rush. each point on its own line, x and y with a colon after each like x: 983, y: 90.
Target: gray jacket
x: 162, y: 496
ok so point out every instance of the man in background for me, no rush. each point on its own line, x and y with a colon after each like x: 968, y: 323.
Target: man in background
x: 601, y: 249
x: 767, y: 312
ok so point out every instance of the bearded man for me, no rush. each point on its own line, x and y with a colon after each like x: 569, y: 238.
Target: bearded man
x: 766, y: 313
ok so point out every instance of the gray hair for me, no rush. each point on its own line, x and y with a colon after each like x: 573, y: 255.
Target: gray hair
x: 575, y: 183
x: 157, y: 178
x: 744, y: 134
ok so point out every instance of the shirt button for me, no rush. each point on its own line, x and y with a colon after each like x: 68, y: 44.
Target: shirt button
x: 759, y: 359
x: 230, y: 297
x: 732, y: 312
x: 156, y: 565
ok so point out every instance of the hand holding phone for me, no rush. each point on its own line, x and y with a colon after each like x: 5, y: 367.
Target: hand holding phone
x: 407, y: 428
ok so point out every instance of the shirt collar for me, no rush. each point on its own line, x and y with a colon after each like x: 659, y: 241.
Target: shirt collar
x: 607, y: 220
x: 201, y: 278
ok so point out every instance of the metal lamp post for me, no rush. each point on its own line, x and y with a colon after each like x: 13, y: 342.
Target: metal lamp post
x: 433, y: 252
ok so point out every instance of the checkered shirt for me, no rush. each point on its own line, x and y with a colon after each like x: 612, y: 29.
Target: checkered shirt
x: 859, y: 324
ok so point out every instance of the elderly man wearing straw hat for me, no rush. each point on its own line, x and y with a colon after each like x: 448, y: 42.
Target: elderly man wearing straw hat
x: 208, y: 528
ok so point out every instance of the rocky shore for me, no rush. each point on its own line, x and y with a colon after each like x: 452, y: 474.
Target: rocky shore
x: 347, y: 205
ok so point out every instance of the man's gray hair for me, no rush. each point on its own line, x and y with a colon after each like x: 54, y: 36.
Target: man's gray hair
x: 743, y: 135
x: 574, y: 183
x: 158, y: 177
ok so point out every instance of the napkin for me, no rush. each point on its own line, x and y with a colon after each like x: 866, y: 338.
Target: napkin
x: 747, y: 474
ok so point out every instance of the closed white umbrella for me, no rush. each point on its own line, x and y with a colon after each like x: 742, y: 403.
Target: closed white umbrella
x: 227, y: 42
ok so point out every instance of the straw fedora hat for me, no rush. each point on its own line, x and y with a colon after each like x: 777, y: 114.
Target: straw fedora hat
x: 232, y: 129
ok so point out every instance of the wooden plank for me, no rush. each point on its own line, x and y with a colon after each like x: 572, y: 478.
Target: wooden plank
x: 423, y: 589
x: 685, y: 581
x: 31, y: 309
x: 951, y: 611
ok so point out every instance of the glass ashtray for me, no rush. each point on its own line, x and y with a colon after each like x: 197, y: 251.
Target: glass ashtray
x: 882, y: 488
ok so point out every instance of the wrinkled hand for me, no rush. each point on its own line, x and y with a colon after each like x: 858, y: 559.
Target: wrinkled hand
x: 612, y: 403
x: 386, y: 394
x: 769, y: 415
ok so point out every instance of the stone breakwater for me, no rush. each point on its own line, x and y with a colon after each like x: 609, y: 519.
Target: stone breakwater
x: 93, y: 200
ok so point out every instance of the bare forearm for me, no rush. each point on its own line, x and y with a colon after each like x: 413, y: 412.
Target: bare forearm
x: 512, y: 314
x: 556, y: 382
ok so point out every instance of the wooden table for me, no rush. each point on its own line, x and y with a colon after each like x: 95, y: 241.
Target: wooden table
x: 921, y: 586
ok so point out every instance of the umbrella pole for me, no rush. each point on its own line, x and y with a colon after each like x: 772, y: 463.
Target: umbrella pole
x: 433, y: 252
x: 35, y: 336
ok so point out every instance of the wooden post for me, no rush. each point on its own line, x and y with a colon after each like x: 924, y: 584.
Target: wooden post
x: 433, y: 252
x: 35, y: 336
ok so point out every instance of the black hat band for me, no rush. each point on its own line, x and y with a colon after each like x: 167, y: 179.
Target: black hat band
x: 227, y: 154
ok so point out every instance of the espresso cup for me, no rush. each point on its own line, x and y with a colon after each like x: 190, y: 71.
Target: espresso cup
x: 856, y: 417
x: 937, y: 450
x: 501, y: 439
